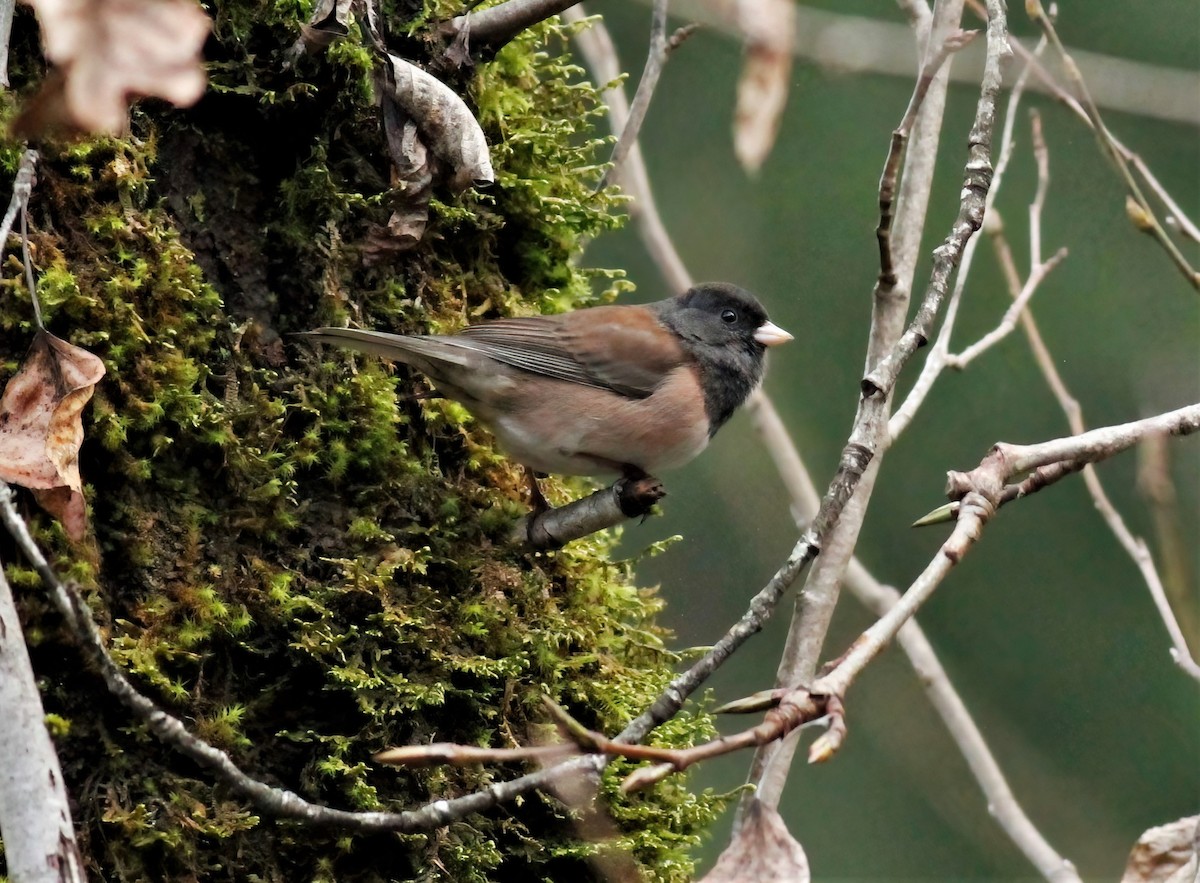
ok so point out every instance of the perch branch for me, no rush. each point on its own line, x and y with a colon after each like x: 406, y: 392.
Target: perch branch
x: 554, y: 528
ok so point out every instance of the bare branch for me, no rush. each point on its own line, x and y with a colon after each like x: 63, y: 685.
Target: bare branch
x: 891, y: 167
x: 597, y: 48
x: 661, y: 46
x: 35, y: 813
x: 554, y: 528
x: 1108, y: 145
x: 888, y: 350
x: 488, y: 30
x: 170, y: 730
x: 935, y: 362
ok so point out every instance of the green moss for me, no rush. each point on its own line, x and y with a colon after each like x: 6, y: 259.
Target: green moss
x: 290, y: 552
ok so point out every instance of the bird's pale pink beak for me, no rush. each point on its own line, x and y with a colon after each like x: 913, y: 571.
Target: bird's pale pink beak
x: 770, y: 334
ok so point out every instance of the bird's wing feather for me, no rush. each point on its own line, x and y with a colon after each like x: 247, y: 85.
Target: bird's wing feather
x: 614, y: 348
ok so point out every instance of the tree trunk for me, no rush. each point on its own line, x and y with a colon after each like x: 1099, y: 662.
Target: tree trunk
x: 288, y: 550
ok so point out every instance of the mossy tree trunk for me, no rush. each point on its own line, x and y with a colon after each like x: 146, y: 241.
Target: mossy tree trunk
x: 286, y: 549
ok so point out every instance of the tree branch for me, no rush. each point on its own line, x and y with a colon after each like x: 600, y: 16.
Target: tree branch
x: 598, y: 50
x: 490, y: 29
x: 661, y: 47
x: 815, y: 604
x: 35, y: 814
x: 1145, y: 219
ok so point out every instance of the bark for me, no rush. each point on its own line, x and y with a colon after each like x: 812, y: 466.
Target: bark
x: 35, y: 818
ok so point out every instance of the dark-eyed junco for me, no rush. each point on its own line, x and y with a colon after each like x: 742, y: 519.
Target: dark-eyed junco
x: 614, y: 389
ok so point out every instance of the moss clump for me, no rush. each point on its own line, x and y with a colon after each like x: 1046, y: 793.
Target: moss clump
x: 289, y: 551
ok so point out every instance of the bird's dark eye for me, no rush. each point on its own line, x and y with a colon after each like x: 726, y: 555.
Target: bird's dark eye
x: 729, y: 316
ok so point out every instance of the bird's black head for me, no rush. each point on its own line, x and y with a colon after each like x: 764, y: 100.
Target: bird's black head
x: 727, y: 331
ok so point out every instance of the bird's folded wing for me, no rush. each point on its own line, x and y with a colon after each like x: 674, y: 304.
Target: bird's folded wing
x: 619, y: 348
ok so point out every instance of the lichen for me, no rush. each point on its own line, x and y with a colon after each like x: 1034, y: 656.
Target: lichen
x: 289, y: 551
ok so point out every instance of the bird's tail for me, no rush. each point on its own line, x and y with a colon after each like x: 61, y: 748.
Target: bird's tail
x: 430, y: 354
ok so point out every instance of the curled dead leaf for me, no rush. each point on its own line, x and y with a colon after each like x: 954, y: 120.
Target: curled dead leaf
x: 446, y: 124
x: 769, y: 27
x: 761, y: 850
x: 109, y: 51
x: 330, y: 20
x: 413, y: 168
x: 1166, y: 854
x: 41, y: 427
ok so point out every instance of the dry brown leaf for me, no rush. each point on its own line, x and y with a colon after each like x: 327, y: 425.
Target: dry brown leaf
x: 107, y: 52
x: 446, y: 124
x: 413, y: 168
x: 762, y: 850
x: 41, y: 429
x: 330, y: 20
x: 1167, y: 854
x: 769, y: 27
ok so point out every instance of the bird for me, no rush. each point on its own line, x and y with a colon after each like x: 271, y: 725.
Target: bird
x: 619, y: 389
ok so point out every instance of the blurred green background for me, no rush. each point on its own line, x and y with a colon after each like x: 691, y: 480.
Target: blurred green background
x: 1046, y: 628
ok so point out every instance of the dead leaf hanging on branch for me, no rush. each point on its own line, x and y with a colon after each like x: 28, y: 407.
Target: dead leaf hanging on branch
x: 761, y: 850
x: 41, y: 427
x: 1167, y: 854
x: 769, y: 27
x: 110, y: 51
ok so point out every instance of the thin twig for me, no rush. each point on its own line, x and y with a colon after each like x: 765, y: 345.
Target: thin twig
x: 661, y: 47
x: 597, y: 48
x: 1147, y: 219
x: 935, y: 362
x: 1008, y: 323
x: 1134, y: 546
x: 891, y: 166
x: 1051, y: 86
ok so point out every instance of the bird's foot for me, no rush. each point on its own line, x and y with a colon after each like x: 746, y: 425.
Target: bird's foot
x: 637, y: 493
x: 537, y: 500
